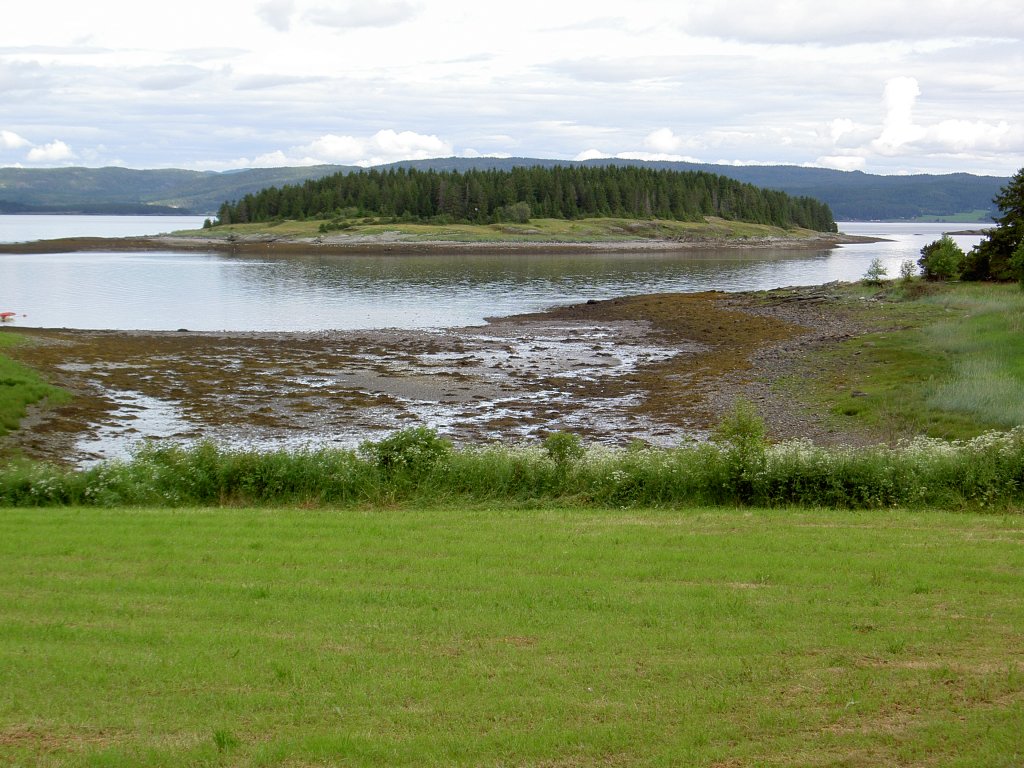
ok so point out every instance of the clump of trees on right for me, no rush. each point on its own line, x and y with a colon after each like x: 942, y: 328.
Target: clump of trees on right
x: 1000, y: 256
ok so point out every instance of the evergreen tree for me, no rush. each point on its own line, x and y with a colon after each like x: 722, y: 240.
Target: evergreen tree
x: 569, y: 192
x: 992, y: 258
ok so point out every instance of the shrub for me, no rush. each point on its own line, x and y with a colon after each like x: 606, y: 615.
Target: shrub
x: 413, y: 451
x: 564, y: 448
x: 743, y: 441
x: 942, y: 259
x: 875, y: 274
x: 1017, y: 263
x: 516, y: 213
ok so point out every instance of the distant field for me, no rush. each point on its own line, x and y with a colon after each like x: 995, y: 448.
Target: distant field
x: 504, y: 636
x: 537, y: 230
x: 965, y: 217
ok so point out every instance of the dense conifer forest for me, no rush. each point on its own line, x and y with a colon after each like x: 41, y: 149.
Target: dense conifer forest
x: 521, y: 193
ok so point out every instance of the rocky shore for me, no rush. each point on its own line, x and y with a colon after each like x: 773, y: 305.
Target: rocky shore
x: 661, y: 369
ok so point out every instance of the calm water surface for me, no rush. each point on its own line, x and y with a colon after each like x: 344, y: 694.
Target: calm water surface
x: 165, y: 291
x: 24, y: 228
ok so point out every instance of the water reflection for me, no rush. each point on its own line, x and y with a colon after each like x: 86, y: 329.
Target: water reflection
x: 165, y: 291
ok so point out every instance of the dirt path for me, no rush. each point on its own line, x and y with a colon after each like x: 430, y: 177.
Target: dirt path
x: 660, y: 368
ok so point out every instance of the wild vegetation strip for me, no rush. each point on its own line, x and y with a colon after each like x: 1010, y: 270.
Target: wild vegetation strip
x: 416, y: 466
x: 21, y: 387
x: 501, y: 636
x: 939, y: 360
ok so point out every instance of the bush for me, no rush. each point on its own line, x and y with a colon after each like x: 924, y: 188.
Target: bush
x: 875, y: 274
x: 1017, y: 263
x: 744, y: 445
x: 414, y: 452
x: 908, y: 270
x: 942, y: 260
x: 564, y: 448
x: 516, y: 213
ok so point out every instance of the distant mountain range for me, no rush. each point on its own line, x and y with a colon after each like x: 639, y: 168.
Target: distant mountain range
x: 852, y: 195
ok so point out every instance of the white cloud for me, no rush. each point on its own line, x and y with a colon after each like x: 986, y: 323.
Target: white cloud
x: 275, y: 159
x: 652, y: 156
x: 363, y: 14
x: 54, y: 152
x: 961, y: 135
x: 385, y: 146
x: 596, y: 154
x: 842, y: 162
x: 11, y: 140
x: 795, y: 82
x: 335, y: 149
x: 593, y: 154
x: 902, y: 134
x: 169, y: 78
x: 898, y: 128
x: 840, y: 127
x: 409, y: 145
x: 810, y: 21
x: 663, y: 140
x: 277, y: 13
x: 665, y: 144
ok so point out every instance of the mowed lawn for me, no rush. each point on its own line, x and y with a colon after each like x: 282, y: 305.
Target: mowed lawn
x: 510, y: 637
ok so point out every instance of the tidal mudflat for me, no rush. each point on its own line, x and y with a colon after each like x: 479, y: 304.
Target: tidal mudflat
x: 658, y: 368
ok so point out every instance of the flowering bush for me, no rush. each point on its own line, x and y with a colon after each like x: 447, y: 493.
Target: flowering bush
x: 738, y: 467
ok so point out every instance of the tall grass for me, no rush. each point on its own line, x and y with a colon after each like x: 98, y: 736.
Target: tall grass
x: 945, y: 360
x: 20, y: 387
x: 987, y: 353
x: 418, y: 467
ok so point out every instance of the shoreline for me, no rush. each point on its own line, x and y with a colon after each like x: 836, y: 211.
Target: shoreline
x: 394, y: 243
x: 660, y: 368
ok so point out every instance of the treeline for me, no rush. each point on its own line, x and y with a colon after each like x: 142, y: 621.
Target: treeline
x: 999, y: 256
x: 518, y: 194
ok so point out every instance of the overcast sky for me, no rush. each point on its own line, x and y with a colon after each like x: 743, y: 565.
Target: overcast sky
x: 881, y: 86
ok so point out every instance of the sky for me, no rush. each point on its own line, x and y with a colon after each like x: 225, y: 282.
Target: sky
x: 886, y: 87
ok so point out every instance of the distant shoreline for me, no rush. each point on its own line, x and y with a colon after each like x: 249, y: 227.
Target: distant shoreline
x: 392, y: 243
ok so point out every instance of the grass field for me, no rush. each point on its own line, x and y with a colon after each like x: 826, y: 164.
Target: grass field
x: 537, y: 230
x: 507, y: 637
x: 946, y: 361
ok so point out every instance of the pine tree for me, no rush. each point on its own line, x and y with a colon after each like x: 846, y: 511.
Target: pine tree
x: 992, y: 258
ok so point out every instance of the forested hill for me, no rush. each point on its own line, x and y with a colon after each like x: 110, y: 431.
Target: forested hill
x: 852, y: 195
x: 563, y: 192
x: 132, y: 191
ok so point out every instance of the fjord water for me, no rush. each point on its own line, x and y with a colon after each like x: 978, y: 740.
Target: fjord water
x: 212, y: 292
x: 28, y: 227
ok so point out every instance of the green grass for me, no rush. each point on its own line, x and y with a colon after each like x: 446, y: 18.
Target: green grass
x: 948, y: 361
x: 20, y: 387
x: 502, y: 636
x: 977, y: 216
x: 985, y: 347
x: 537, y: 230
